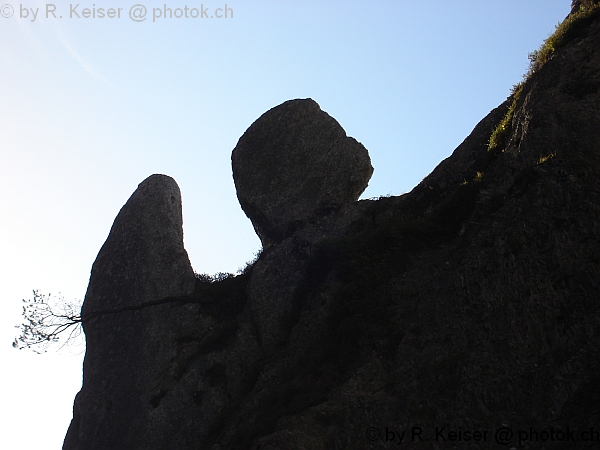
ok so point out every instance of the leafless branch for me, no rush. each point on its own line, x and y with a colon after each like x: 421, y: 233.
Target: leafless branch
x: 46, y: 320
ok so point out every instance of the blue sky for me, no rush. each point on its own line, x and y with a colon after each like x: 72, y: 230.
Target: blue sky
x: 90, y: 107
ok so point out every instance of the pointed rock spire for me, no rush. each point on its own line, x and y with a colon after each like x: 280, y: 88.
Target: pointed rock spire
x: 143, y: 258
x: 142, y: 262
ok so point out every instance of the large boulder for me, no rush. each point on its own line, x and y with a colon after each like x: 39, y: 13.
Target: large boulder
x: 293, y: 164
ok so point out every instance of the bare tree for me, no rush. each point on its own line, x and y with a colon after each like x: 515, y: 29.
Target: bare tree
x: 46, y: 320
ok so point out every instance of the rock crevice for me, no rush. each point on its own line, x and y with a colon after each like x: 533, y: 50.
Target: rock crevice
x: 469, y: 303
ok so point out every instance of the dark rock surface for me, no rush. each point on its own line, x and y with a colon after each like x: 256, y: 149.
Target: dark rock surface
x: 143, y: 258
x: 142, y: 263
x: 577, y: 4
x: 470, y: 303
x: 294, y: 163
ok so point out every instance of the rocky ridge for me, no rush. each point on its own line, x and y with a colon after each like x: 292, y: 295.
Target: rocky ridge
x: 469, y: 304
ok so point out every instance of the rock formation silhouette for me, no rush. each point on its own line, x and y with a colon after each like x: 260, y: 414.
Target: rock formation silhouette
x: 294, y: 163
x: 469, y: 304
x: 141, y: 266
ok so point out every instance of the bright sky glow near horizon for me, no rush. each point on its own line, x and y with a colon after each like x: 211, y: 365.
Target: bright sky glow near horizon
x: 91, y: 107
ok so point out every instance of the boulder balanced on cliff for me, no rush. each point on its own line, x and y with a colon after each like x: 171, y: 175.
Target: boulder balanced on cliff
x: 294, y: 163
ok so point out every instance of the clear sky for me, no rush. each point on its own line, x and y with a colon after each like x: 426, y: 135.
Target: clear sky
x: 89, y: 107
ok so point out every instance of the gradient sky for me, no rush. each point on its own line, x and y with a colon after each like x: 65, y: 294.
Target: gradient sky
x: 90, y: 107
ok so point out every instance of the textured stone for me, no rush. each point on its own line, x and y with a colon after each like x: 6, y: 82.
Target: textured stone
x: 577, y: 4
x: 143, y: 258
x: 140, y: 267
x: 470, y: 302
x: 294, y: 163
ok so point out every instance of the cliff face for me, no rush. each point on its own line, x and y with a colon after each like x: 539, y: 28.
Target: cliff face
x: 470, y: 304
